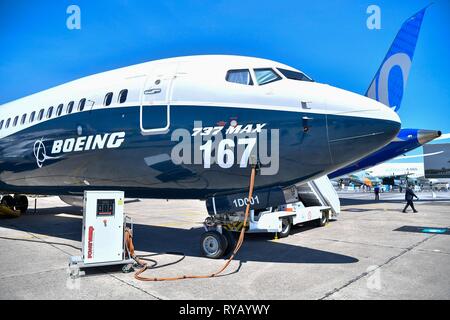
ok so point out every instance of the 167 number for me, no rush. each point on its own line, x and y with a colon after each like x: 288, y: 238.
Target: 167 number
x: 225, y: 153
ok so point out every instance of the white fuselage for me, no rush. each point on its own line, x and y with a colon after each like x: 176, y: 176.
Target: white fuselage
x: 412, y: 170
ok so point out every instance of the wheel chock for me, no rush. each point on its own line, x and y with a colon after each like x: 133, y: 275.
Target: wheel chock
x: 8, y: 212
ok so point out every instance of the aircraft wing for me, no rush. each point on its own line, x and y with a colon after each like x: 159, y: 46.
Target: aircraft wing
x: 419, y: 155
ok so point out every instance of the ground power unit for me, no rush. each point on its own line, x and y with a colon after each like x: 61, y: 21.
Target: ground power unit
x: 104, y: 223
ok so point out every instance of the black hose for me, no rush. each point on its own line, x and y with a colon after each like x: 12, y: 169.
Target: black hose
x: 155, y: 263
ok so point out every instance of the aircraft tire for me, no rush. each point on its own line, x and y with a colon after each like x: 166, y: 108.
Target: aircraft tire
x: 213, y: 245
x: 8, y: 201
x: 231, y: 241
x: 21, y: 203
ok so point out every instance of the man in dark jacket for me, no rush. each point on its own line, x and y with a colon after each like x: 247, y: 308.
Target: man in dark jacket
x: 376, y: 190
x: 409, y: 196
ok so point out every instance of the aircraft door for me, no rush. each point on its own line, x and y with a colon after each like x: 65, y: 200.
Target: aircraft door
x: 154, y: 115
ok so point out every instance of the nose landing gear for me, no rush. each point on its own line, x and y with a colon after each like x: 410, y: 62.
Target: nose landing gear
x: 219, y: 240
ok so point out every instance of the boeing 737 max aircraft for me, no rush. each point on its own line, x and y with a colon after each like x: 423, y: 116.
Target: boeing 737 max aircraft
x: 185, y: 127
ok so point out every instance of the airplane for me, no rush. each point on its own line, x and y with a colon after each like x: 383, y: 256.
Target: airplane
x: 403, y: 173
x: 358, y: 179
x: 412, y: 169
x: 393, y: 174
x: 122, y: 130
x: 388, y: 87
x: 399, y: 174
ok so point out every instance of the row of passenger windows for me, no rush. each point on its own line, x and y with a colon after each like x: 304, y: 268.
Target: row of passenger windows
x: 59, y: 110
x: 263, y: 76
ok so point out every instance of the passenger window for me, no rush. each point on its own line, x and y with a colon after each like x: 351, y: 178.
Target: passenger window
x: 265, y: 76
x: 59, y: 110
x: 49, y: 112
x: 239, y: 76
x: 81, y: 104
x: 69, y: 107
x: 15, y: 121
x: 108, y: 99
x: 295, y: 75
x: 32, y: 117
x: 1, y: 124
x: 41, y: 114
x: 7, y: 123
x: 123, y: 96
x: 24, y: 117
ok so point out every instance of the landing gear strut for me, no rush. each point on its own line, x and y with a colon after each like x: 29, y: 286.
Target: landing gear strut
x: 217, y: 240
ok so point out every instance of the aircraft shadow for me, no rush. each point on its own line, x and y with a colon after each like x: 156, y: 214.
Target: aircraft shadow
x: 160, y: 239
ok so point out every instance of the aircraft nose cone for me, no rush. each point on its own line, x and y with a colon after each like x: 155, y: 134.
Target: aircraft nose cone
x: 351, y: 137
x: 424, y: 136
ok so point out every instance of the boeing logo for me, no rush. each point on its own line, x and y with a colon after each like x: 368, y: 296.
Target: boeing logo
x: 83, y: 143
x: 40, y: 153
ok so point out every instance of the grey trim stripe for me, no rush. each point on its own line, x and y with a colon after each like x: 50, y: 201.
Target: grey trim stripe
x: 357, y: 137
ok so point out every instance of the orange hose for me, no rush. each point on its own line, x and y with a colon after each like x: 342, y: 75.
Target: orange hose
x: 138, y: 274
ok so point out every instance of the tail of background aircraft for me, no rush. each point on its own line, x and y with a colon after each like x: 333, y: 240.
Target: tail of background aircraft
x: 389, y: 82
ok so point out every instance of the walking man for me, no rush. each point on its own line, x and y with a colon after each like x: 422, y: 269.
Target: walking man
x: 377, y: 192
x: 409, y: 196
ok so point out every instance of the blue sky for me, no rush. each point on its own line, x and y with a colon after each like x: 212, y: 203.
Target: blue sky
x: 328, y: 40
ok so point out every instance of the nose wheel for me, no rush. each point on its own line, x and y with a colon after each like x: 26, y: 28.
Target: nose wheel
x: 213, y: 244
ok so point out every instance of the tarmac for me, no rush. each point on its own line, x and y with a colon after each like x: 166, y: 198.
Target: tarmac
x: 373, y: 251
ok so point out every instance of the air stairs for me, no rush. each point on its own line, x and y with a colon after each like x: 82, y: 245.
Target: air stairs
x: 320, y: 192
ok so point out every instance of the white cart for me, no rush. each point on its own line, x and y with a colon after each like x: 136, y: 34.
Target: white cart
x: 281, y: 219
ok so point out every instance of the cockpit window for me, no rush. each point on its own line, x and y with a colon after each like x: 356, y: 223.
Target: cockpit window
x: 239, y: 76
x: 295, y: 75
x: 265, y: 76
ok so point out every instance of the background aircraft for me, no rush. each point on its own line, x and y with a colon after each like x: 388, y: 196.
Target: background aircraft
x: 394, y: 174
